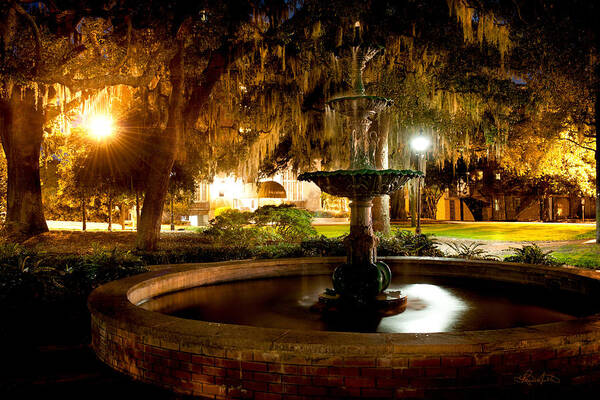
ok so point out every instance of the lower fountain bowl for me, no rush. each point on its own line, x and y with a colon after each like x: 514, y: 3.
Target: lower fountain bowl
x: 237, y: 361
x: 361, y: 183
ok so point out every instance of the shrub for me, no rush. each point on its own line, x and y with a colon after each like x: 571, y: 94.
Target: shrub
x: 266, y: 225
x: 196, y: 254
x: 532, y: 254
x: 323, y: 246
x: 52, y: 289
x: 221, y: 210
x: 231, y: 227
x: 470, y: 251
x: 290, y: 223
x: 406, y: 243
x: 229, y: 220
x: 280, y: 250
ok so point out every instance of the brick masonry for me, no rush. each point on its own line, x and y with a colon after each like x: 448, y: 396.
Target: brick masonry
x: 235, y: 362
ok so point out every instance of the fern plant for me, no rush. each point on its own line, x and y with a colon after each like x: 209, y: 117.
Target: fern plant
x: 470, y: 251
x: 532, y: 254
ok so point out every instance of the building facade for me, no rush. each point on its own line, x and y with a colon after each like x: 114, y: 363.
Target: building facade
x: 228, y: 191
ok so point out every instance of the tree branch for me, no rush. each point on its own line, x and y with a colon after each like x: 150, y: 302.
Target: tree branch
x: 217, y: 64
x: 56, y: 111
x: 101, y: 82
x: 73, y: 53
x: 36, y: 32
x: 126, y: 56
x: 578, y: 144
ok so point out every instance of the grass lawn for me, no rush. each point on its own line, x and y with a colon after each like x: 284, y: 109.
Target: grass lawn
x: 503, y: 231
x: 581, y: 255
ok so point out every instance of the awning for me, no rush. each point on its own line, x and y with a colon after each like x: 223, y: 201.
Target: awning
x: 271, y: 190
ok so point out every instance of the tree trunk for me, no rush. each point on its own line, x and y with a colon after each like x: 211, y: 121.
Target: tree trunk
x: 158, y: 179
x: 137, y: 209
x: 83, y: 214
x: 398, y: 205
x: 597, y: 152
x: 381, y: 204
x: 110, y: 206
x: 21, y: 131
x: 172, y: 216
x: 166, y: 146
x: 122, y: 215
x: 412, y: 203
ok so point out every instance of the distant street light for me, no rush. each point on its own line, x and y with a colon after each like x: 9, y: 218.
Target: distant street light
x: 100, y: 127
x: 420, y: 144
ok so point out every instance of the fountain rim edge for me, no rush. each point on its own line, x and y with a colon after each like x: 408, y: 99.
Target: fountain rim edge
x: 306, y: 176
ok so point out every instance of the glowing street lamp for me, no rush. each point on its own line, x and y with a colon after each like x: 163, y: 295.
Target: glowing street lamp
x: 100, y: 127
x: 420, y: 144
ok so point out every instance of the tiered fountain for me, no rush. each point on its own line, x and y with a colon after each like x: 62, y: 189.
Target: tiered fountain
x: 362, y: 281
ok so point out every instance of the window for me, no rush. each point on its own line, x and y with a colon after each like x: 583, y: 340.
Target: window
x: 496, y: 205
x: 293, y: 188
x: 201, y: 192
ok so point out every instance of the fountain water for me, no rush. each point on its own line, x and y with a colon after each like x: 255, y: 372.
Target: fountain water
x: 361, y: 282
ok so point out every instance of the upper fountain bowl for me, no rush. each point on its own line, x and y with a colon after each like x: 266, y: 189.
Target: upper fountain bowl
x: 360, y: 183
x: 359, y: 105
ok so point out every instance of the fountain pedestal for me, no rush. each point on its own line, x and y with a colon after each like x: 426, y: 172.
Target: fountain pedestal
x: 360, y: 284
x: 361, y: 243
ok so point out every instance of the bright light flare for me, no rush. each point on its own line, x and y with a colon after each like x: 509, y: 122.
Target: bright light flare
x: 100, y: 127
x: 420, y: 143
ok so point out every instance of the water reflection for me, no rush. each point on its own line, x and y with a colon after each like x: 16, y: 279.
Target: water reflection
x: 433, y: 306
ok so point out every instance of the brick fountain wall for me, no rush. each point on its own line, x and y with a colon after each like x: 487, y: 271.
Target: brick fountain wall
x: 229, y: 361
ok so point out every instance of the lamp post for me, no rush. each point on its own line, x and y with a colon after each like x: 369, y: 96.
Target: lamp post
x: 420, y: 144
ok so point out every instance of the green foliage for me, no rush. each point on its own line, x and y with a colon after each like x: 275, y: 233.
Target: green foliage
x: 52, y: 289
x: 267, y: 224
x: 406, y: 243
x: 197, y: 254
x: 221, y: 210
x: 470, y: 251
x: 324, y: 246
x: 56, y: 276
x: 280, y: 250
x: 402, y: 243
x: 532, y: 254
x: 229, y: 221
x: 290, y: 223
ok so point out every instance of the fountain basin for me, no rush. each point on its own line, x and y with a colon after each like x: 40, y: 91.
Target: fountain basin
x: 360, y: 183
x: 235, y: 361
